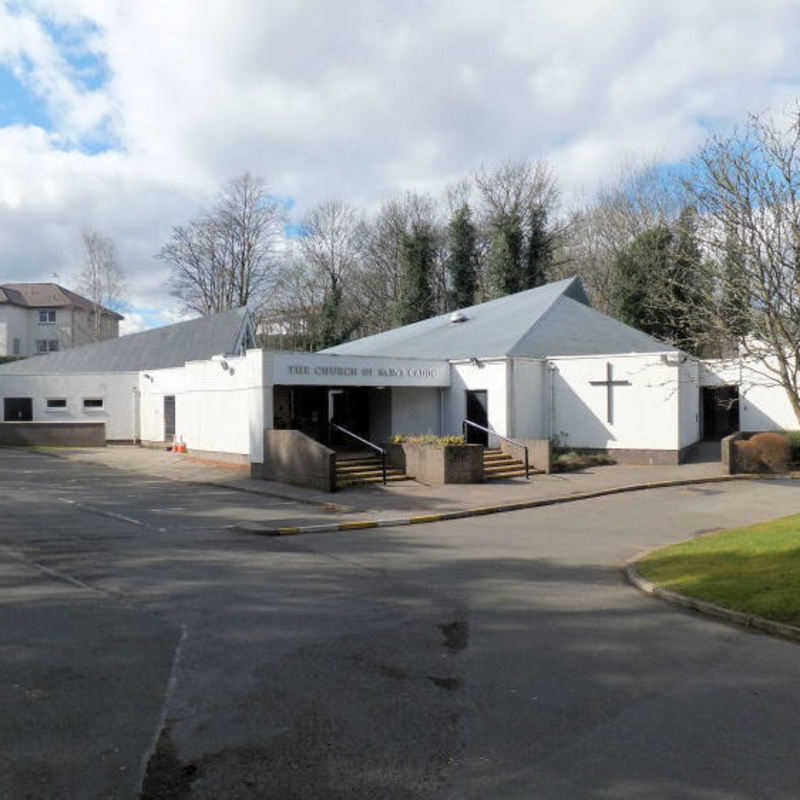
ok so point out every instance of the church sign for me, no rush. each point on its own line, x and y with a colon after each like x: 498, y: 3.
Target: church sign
x: 317, y: 369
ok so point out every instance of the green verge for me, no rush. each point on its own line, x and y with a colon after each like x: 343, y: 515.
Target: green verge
x: 755, y: 569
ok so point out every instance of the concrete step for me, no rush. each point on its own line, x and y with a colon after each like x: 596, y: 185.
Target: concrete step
x: 346, y: 482
x: 359, y: 467
x: 366, y: 473
x: 364, y: 470
x: 504, y: 466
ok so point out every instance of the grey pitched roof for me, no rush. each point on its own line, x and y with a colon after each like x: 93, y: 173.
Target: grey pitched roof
x: 554, y: 319
x: 169, y: 346
x: 47, y: 295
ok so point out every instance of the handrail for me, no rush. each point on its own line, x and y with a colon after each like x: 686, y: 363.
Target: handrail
x: 465, y: 422
x: 355, y: 436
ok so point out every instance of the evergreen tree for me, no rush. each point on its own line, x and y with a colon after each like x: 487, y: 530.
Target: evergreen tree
x: 462, y: 262
x: 329, y: 327
x: 637, y: 270
x: 539, y: 251
x: 505, y: 256
x: 418, y: 252
x: 690, y: 287
x: 735, y: 298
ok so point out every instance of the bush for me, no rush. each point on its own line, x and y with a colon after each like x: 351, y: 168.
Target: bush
x: 794, y: 444
x: 747, y: 458
x: 427, y: 439
x: 774, y: 450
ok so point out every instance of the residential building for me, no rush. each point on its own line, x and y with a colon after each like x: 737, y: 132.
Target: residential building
x: 39, y: 318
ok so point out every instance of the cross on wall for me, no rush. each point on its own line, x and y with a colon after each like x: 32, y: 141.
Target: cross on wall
x: 610, y: 383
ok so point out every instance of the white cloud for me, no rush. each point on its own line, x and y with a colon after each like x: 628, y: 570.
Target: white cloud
x: 356, y: 101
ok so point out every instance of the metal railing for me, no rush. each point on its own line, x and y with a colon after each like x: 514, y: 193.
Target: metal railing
x: 514, y: 442
x: 335, y: 427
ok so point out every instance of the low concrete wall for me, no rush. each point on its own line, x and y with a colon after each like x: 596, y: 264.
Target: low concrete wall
x: 728, y: 451
x: 737, y: 456
x: 459, y: 463
x: 53, y: 434
x: 292, y: 457
x: 540, y: 453
x: 636, y: 457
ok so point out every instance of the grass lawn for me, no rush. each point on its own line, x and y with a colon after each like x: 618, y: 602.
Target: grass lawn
x: 755, y: 569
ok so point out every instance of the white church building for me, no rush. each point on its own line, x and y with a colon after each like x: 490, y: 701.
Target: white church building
x: 529, y: 366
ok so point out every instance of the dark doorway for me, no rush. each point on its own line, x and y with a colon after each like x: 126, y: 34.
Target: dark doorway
x: 478, y: 412
x: 720, y: 411
x: 18, y: 409
x: 169, y: 417
x: 349, y: 408
x: 309, y: 408
x: 302, y: 408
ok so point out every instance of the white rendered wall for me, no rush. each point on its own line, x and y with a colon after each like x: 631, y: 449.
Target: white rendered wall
x: 491, y: 375
x: 763, y: 402
x: 116, y: 389
x: 646, y: 414
x: 415, y: 411
x: 689, y: 402
x: 14, y: 325
x: 528, y: 386
x: 219, y: 404
x: 153, y: 390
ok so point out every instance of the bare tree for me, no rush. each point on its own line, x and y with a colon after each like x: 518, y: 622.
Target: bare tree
x: 519, y: 203
x: 382, y: 275
x: 331, y: 245
x: 227, y: 257
x: 642, y: 198
x: 747, y: 190
x: 101, y: 281
x: 288, y: 320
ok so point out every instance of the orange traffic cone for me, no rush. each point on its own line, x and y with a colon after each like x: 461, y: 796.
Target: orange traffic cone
x: 182, y: 446
x: 174, y: 448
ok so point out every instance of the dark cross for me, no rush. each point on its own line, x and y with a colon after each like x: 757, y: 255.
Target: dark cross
x: 610, y: 383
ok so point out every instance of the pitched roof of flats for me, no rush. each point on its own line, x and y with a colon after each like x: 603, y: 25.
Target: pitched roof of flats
x: 46, y: 295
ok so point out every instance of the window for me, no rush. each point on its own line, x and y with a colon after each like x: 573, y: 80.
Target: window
x: 41, y: 345
x: 47, y: 317
x: 16, y: 347
x: 56, y: 402
x: 52, y: 345
x: 92, y: 402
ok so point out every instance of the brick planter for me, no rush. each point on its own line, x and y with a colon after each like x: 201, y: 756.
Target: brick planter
x: 452, y: 463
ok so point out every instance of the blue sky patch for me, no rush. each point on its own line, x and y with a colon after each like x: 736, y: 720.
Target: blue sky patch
x: 89, y: 70
x: 18, y: 105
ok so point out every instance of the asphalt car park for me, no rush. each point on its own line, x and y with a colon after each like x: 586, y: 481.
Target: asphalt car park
x: 150, y: 651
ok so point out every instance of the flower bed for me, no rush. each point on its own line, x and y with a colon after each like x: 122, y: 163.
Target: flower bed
x: 437, y: 460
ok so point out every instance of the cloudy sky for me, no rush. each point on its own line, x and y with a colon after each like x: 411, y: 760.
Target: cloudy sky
x: 125, y: 117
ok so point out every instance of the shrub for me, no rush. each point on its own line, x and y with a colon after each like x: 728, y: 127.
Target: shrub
x: 747, y: 458
x: 427, y: 439
x: 794, y: 444
x: 774, y: 450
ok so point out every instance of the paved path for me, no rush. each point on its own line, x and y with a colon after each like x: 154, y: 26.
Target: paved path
x: 404, y: 498
x: 500, y: 656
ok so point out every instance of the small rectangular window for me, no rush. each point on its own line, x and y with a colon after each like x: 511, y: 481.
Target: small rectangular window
x: 52, y: 345
x: 16, y: 347
x: 92, y: 402
x: 47, y: 316
x: 41, y: 345
x: 56, y: 402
